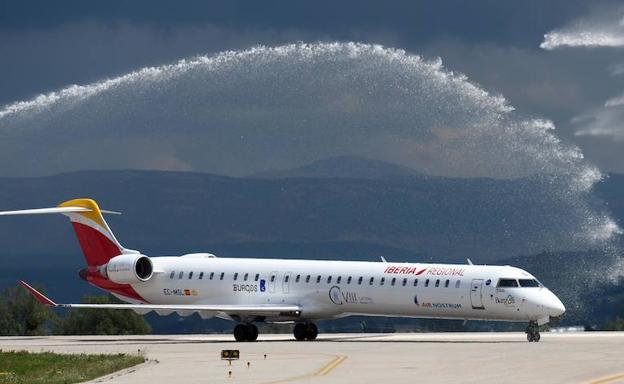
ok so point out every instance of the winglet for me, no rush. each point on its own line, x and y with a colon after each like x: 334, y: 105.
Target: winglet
x: 38, y: 295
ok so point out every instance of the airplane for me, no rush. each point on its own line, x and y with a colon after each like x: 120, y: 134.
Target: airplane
x: 250, y: 290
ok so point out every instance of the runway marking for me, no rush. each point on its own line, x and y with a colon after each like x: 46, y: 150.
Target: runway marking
x: 331, y: 366
x: 326, y: 369
x: 607, y: 380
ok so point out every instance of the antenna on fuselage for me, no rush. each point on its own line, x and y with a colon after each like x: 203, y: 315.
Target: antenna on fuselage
x: 469, y: 261
x: 383, y: 259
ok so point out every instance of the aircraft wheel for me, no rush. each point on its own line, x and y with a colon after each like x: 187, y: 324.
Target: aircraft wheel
x: 252, y: 332
x: 240, y: 332
x: 311, y: 331
x: 300, y: 331
x: 533, y: 334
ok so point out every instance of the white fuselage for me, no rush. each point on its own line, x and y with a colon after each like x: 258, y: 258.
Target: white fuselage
x: 331, y: 289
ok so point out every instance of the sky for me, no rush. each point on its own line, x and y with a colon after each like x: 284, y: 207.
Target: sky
x: 559, y: 61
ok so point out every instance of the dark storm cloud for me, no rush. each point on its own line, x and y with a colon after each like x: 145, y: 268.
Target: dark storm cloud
x: 48, y: 45
x: 416, y: 21
x: 45, y: 59
x: 558, y: 85
x: 594, y: 34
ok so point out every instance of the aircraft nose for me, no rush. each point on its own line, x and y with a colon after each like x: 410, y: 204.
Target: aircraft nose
x: 551, y: 303
x: 546, y: 303
x: 556, y: 308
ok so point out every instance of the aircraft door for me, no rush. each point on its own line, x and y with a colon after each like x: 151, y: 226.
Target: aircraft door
x: 272, y: 279
x: 286, y: 282
x: 476, y: 294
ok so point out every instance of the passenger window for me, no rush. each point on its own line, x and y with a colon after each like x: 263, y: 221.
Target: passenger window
x: 318, y: 279
x: 404, y: 282
x: 257, y: 277
x: 190, y: 275
x: 308, y: 279
x: 338, y: 279
x: 222, y: 276
x: 372, y: 280
x: 235, y: 276
x: 349, y: 280
x: 446, y: 283
x: 360, y: 280
x: 211, y: 275
x: 180, y: 275
x: 272, y: 278
x: 437, y: 283
x: 201, y: 275
x: 393, y: 281
x: 415, y: 282
x: 457, y: 283
x: 507, y: 283
x: 297, y: 278
x: 246, y: 276
x: 286, y: 278
x: 329, y: 279
x: 172, y: 274
x: 427, y: 283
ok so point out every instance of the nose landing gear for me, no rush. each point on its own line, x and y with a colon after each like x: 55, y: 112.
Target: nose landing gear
x: 245, y: 332
x: 532, y: 331
x: 305, y: 331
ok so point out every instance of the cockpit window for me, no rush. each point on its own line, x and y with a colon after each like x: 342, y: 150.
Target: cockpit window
x: 507, y: 283
x: 529, y: 283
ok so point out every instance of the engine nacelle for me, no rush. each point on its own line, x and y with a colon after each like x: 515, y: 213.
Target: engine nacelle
x: 128, y: 269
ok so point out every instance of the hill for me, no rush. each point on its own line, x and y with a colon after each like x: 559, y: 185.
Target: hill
x: 351, y: 167
x: 411, y: 218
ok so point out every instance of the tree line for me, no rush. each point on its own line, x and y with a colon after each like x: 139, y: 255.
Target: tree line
x: 22, y: 315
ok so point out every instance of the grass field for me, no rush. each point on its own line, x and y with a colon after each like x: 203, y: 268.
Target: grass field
x: 52, y: 368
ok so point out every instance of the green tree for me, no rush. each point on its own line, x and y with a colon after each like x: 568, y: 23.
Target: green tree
x: 21, y: 314
x: 86, y: 321
x: 617, y: 325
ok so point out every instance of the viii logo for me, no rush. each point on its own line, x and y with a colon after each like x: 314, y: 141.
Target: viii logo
x: 338, y: 297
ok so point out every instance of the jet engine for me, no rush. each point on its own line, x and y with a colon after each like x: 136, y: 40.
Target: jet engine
x: 128, y: 269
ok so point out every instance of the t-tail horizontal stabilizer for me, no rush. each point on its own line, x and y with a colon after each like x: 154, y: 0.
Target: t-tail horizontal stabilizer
x: 44, y: 211
x: 97, y: 241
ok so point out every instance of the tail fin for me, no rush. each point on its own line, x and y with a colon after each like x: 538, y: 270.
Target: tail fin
x: 96, y: 239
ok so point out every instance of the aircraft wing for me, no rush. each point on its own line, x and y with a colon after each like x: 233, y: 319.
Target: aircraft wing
x: 270, y: 310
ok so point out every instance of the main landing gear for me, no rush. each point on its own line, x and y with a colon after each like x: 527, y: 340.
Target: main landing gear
x: 245, y: 332
x: 532, y: 331
x: 305, y: 331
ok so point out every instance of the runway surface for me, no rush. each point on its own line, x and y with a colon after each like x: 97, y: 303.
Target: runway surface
x: 592, y: 357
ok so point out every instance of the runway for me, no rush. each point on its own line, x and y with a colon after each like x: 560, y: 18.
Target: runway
x: 585, y: 357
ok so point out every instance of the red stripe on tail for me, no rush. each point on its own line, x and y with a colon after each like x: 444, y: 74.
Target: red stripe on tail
x: 97, y: 248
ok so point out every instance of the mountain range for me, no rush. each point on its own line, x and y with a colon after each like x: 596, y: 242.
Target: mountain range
x: 397, y: 213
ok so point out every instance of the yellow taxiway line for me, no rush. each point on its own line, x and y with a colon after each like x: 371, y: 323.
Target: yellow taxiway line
x: 326, y: 369
x: 330, y: 367
x: 609, y: 379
